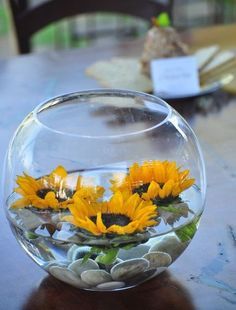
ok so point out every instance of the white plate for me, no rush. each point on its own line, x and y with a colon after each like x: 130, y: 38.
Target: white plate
x: 207, y: 89
x: 204, y: 91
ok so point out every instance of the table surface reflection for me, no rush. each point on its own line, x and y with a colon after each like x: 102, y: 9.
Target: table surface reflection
x: 204, y: 277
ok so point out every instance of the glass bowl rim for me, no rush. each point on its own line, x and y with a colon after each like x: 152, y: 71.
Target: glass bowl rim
x: 60, y: 99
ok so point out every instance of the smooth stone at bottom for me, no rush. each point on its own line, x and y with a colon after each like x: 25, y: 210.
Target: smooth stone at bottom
x: 52, y: 263
x: 111, y: 285
x: 160, y: 270
x: 129, y: 269
x: 95, y: 277
x: 135, y: 252
x: 158, y: 259
x: 80, y: 252
x: 141, y: 277
x: 144, y: 276
x: 171, y: 245
x: 78, y: 266
x: 67, y: 276
x: 71, y: 251
x: 108, y: 267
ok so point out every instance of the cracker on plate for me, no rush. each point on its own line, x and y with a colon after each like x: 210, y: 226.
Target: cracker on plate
x: 120, y: 73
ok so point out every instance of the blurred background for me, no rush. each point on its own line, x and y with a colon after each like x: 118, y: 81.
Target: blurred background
x: 98, y: 28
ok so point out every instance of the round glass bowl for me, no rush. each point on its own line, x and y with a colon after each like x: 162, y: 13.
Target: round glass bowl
x: 104, y: 189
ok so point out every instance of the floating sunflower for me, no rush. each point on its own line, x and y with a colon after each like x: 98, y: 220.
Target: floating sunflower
x: 51, y: 191
x: 117, y: 216
x: 159, y: 181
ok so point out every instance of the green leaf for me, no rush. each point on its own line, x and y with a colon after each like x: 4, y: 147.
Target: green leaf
x: 93, y: 250
x: 163, y: 20
x: 109, y: 256
x: 30, y: 235
x: 187, y: 232
x: 86, y: 257
x: 129, y: 246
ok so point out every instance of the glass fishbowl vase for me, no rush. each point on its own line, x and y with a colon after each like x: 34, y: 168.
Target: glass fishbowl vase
x: 104, y: 189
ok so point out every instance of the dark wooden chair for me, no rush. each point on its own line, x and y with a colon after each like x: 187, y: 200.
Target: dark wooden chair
x: 27, y: 20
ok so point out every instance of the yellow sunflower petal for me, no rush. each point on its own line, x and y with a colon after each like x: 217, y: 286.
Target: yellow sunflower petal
x: 20, y: 203
x: 69, y: 218
x: 100, y: 224
x: 176, y: 190
x: 116, y: 202
x: 26, y: 187
x: 159, y: 172
x: 162, y: 194
x: 59, y: 172
x: 99, y: 191
x: 167, y: 188
x: 79, y: 208
x: 131, y: 227
x: 116, y: 229
x: 34, y: 184
x: 187, y: 183
x: 152, y: 192
x: 121, y: 230
x: 184, y: 174
x: 150, y: 223
x: 146, y: 210
x: 147, y: 172
x: 38, y: 202
x: 131, y: 205
x: 135, y: 173
x: 19, y: 191
x: 79, y: 183
x: 92, y: 227
x: 51, y: 200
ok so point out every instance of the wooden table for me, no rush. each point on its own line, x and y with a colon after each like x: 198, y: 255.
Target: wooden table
x: 204, y: 277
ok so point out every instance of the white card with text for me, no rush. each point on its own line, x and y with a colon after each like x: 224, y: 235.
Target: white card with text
x: 177, y: 76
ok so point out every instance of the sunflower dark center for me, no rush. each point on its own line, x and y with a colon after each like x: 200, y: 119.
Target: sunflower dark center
x: 144, y: 188
x: 113, y: 219
x: 141, y: 189
x: 41, y: 193
x: 61, y: 195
